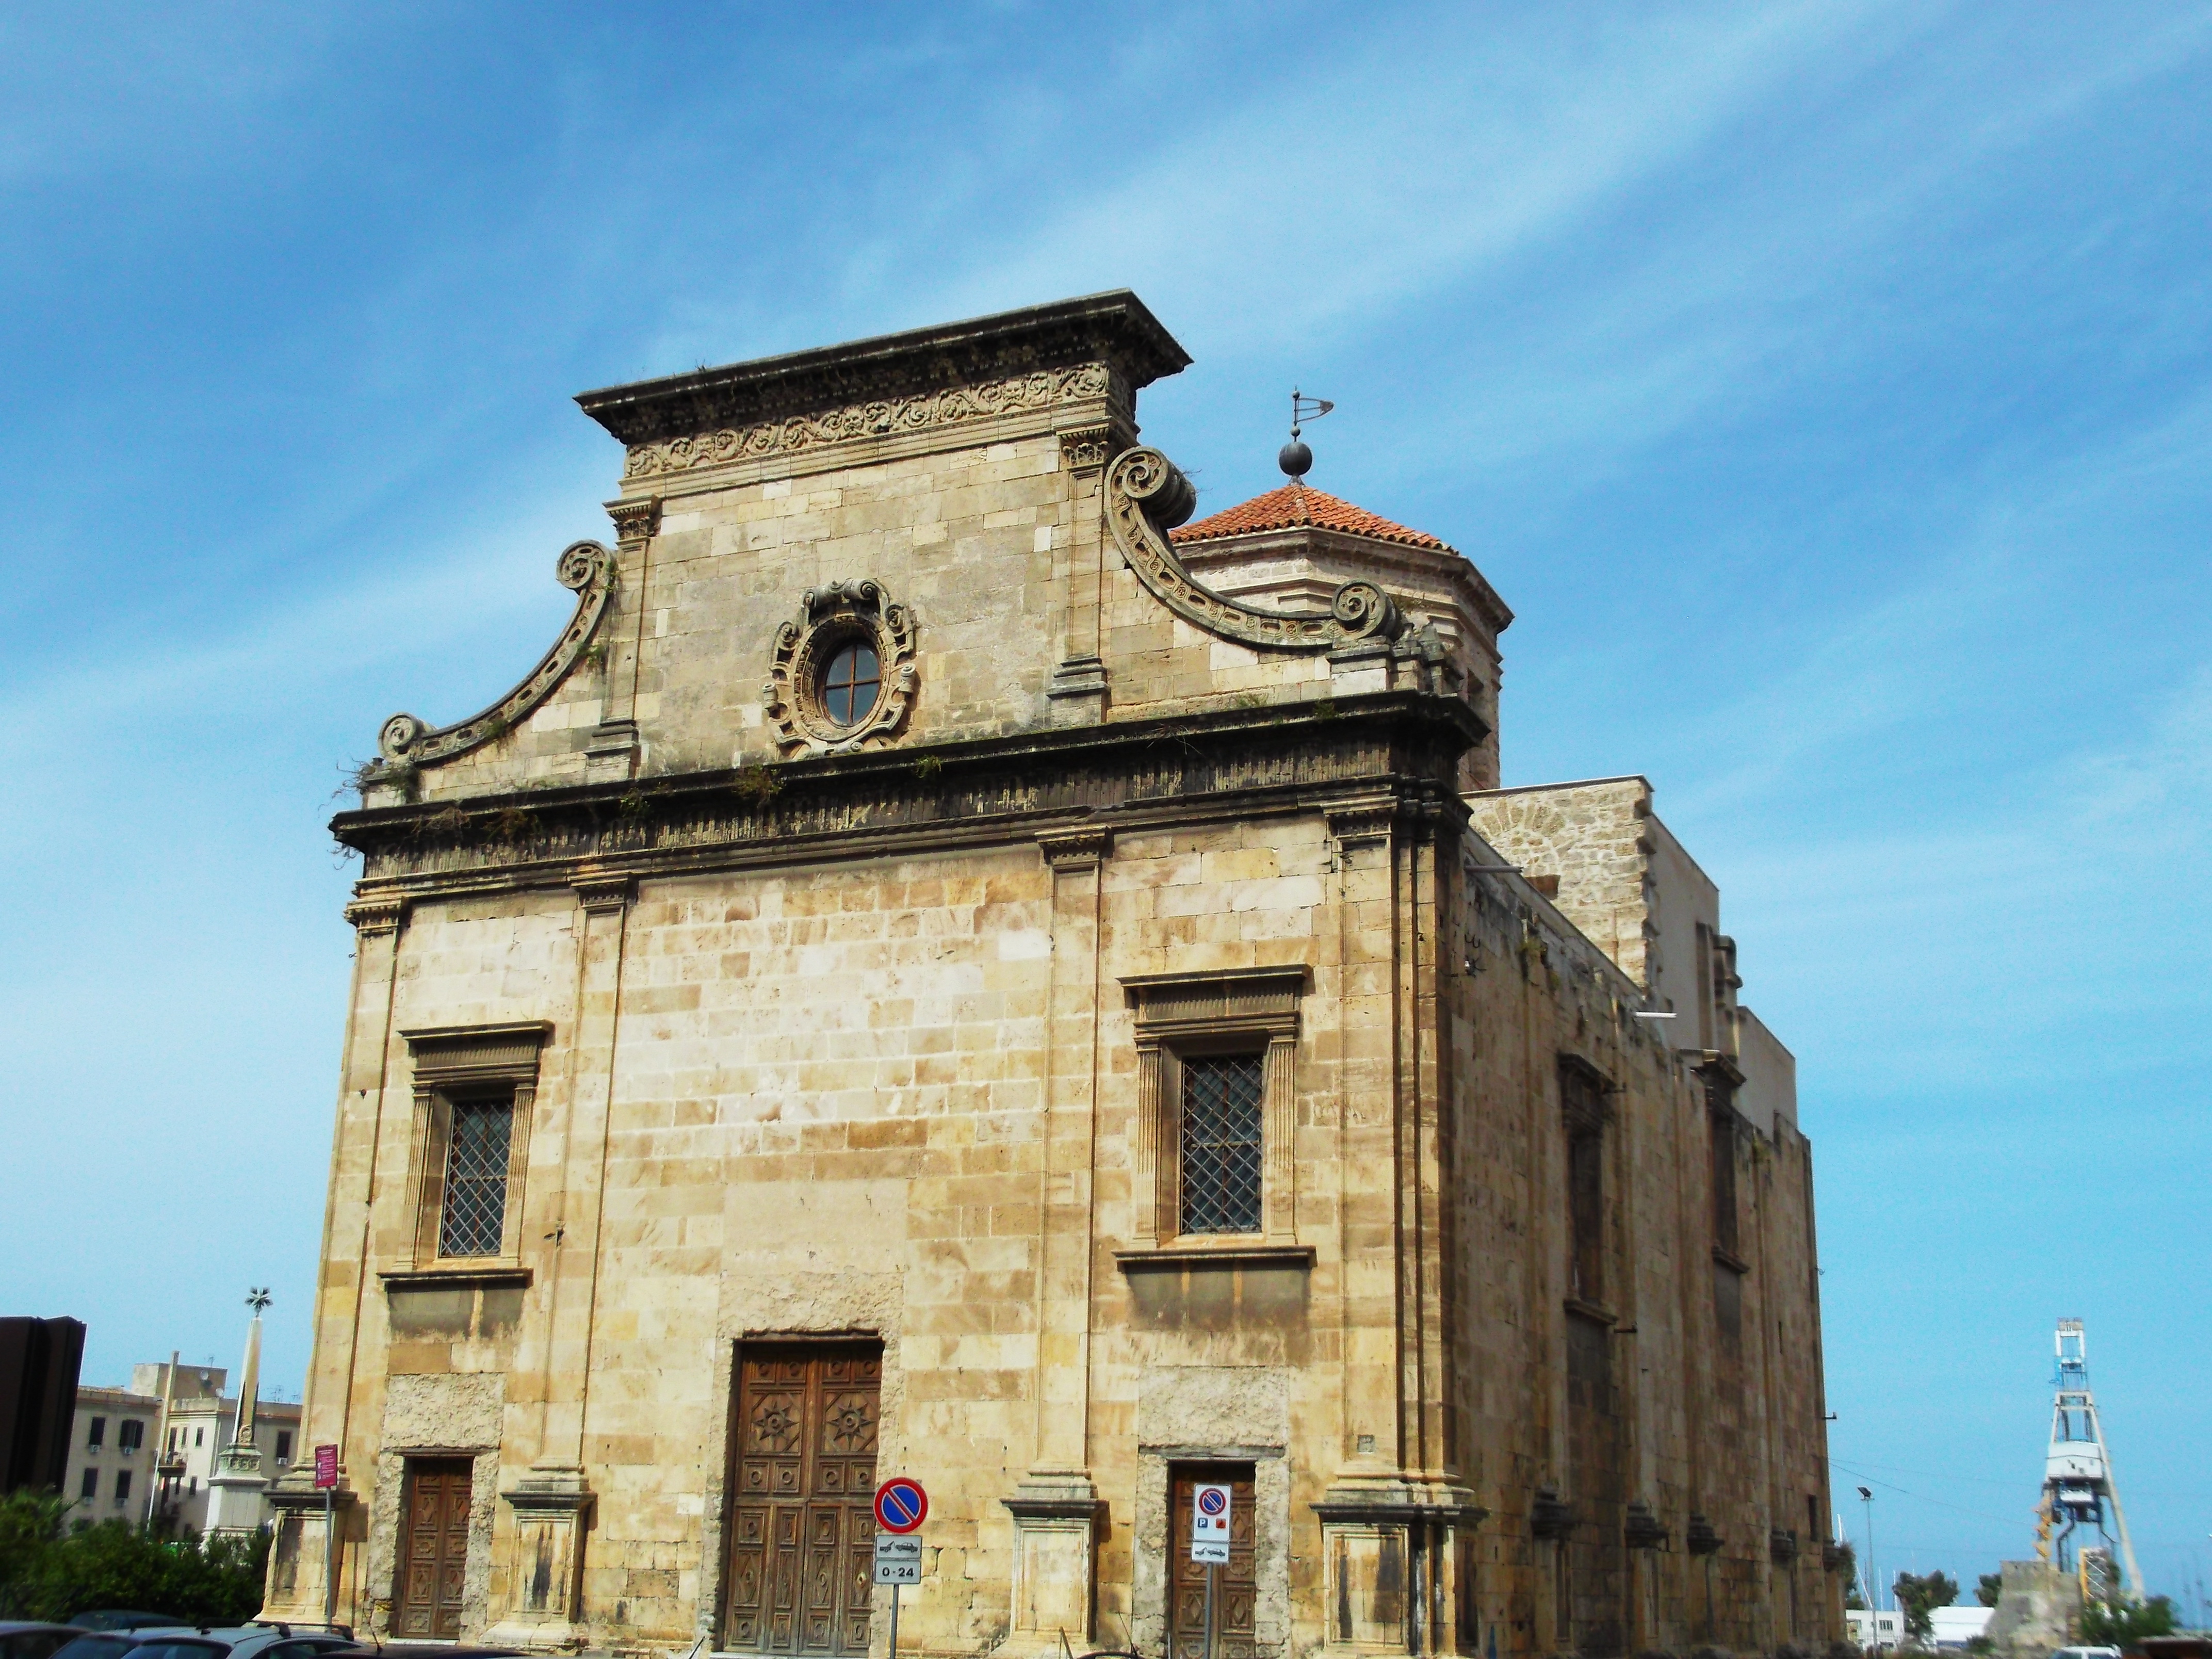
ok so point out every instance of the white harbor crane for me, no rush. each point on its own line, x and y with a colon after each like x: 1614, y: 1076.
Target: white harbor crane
x: 2078, y: 1488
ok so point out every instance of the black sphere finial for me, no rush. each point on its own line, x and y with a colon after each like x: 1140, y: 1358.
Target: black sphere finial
x: 1297, y: 456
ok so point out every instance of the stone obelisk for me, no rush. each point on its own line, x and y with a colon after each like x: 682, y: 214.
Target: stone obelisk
x: 235, y: 1504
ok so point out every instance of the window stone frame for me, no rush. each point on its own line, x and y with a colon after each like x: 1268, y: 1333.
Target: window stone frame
x: 469, y: 1063
x: 1228, y: 1010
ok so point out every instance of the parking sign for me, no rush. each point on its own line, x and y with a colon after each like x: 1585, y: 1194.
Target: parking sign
x: 1209, y: 1526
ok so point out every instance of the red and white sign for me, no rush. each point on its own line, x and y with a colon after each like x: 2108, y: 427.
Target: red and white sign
x: 326, y: 1466
x: 900, y: 1504
x: 1209, y: 1525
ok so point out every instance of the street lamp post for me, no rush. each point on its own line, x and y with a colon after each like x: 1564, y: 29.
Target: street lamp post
x: 1874, y: 1597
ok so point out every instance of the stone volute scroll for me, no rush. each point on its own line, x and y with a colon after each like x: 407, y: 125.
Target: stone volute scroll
x: 810, y: 712
x: 1146, y: 497
x: 586, y: 569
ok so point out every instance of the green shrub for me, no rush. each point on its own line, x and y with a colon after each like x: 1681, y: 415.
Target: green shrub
x: 48, y: 1570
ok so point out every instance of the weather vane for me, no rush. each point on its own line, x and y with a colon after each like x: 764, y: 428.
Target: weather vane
x: 1297, y: 457
x: 257, y: 1298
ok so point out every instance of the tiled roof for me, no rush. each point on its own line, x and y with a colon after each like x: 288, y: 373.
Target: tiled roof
x: 1295, y: 505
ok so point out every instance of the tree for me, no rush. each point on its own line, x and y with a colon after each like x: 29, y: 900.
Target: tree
x: 2124, y: 1624
x: 1847, y: 1563
x: 1916, y: 1594
x: 1986, y: 1591
x: 46, y: 1575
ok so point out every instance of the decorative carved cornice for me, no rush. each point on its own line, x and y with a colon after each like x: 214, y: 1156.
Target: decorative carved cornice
x: 1643, y: 1529
x: 1551, y: 1516
x: 458, y: 1055
x: 1075, y: 849
x: 1113, y: 335
x: 376, y: 915
x: 587, y: 568
x: 1086, y: 448
x: 828, y: 617
x: 1147, y: 497
x: 1362, y: 823
x: 795, y: 434
x: 635, y: 521
x: 598, y: 894
x: 1137, y: 774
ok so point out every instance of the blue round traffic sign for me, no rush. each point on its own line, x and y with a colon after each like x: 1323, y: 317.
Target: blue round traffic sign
x: 900, y: 1504
x: 1213, y: 1500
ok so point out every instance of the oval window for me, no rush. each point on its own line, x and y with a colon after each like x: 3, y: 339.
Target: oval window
x: 852, y: 683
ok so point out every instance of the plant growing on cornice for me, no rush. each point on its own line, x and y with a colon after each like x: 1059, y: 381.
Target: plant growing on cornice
x: 928, y: 768
x: 756, y: 786
x: 513, y: 824
x: 593, y: 655
x: 402, y: 776
x: 633, y: 805
x: 449, y: 821
x: 1324, y: 708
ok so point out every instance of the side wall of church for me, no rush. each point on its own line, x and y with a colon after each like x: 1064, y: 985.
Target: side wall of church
x: 1686, y: 1385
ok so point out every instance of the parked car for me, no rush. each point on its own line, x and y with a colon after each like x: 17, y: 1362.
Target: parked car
x: 169, y: 1643
x: 254, y: 1641
x: 116, y: 1619
x: 20, y: 1640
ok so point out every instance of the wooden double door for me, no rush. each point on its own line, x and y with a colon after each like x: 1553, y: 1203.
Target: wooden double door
x: 1235, y: 1586
x: 434, y: 1551
x: 802, y: 1519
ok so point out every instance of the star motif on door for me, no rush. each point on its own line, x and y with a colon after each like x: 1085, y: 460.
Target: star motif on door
x: 776, y: 1425
x: 848, y: 1424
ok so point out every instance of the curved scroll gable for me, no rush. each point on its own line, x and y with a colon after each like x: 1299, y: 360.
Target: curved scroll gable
x: 586, y: 567
x: 1147, y: 497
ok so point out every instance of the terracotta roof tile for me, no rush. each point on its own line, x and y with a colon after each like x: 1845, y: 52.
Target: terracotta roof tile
x: 1295, y: 505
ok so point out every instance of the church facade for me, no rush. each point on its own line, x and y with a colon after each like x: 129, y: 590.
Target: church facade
x: 948, y: 967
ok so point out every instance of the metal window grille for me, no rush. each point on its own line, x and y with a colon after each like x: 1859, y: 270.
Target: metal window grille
x: 476, y: 1178
x: 1221, y: 1144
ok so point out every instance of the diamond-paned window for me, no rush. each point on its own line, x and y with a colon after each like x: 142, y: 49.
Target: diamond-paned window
x: 1221, y: 1097
x: 476, y: 1178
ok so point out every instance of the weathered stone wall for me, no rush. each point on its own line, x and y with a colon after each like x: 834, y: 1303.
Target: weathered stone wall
x: 851, y: 1046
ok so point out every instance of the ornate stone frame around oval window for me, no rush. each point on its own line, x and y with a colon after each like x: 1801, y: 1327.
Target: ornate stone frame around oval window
x: 830, y: 618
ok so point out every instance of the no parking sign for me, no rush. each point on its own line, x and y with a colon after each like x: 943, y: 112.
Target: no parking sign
x: 1209, y: 1526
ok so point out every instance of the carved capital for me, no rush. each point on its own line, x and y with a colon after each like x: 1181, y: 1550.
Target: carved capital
x: 376, y: 915
x: 1082, y: 849
x: 1086, y: 448
x: 598, y: 895
x: 1362, y: 823
x: 635, y: 521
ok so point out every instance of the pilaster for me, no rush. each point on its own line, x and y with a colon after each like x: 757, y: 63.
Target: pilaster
x: 603, y: 904
x: 612, y: 752
x: 1055, y: 1507
x: 299, y: 1587
x: 1078, y: 689
x: 550, y: 1508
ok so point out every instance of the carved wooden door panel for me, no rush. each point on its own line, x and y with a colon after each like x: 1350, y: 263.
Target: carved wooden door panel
x: 1235, y: 1589
x: 802, y: 1526
x: 433, y: 1555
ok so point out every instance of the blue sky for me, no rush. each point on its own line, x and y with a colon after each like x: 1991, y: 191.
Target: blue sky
x: 1828, y: 388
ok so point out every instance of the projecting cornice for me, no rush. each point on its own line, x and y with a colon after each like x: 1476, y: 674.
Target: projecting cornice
x: 898, y: 379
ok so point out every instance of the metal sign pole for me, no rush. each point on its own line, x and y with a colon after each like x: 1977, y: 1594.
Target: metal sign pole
x: 1211, y: 1571
x: 330, y: 1557
x: 895, y: 1601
